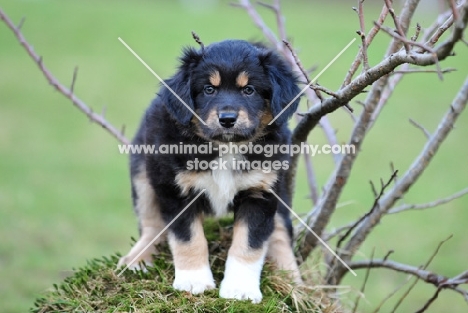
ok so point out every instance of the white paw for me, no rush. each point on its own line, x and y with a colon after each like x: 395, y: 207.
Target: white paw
x: 241, y: 281
x: 137, y: 260
x: 137, y: 265
x: 239, y: 290
x: 194, y: 281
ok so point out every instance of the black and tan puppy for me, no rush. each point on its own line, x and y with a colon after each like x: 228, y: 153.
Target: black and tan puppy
x: 236, y: 88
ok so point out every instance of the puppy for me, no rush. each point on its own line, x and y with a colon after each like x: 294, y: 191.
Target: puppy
x: 226, y: 93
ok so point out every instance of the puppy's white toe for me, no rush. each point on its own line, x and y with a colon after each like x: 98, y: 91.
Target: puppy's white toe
x: 194, y: 281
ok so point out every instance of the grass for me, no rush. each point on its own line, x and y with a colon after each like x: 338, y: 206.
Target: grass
x: 64, y: 189
x: 97, y: 288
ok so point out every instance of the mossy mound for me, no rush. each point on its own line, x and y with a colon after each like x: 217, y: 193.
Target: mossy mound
x: 97, y: 288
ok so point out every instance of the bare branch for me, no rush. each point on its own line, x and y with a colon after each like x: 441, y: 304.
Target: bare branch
x: 362, y: 34
x: 68, y: 93
x: 358, y: 59
x: 413, y: 173
x: 257, y: 19
x: 439, y: 281
x: 327, y: 91
x: 398, y: 27
x: 388, y: 255
x: 296, y: 60
x: 316, y: 87
x: 413, y: 43
x: 363, y: 287
x: 419, y: 126
x: 440, y: 31
x: 413, y: 71
x: 429, y: 302
x: 436, y: 251
x: 428, y: 205
x: 398, y: 288
x: 374, y: 207
x: 311, y: 179
x: 320, y: 215
x: 404, y: 39
x: 374, y: 191
x: 276, y: 8
x: 424, y: 275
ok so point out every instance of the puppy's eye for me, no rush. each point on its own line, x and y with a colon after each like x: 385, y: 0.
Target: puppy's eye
x: 248, y: 90
x: 209, y: 90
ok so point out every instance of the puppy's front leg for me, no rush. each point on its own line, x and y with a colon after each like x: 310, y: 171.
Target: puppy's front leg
x: 190, y: 252
x: 254, y: 223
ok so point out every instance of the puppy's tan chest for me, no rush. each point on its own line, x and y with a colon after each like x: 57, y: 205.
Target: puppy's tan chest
x: 222, y: 184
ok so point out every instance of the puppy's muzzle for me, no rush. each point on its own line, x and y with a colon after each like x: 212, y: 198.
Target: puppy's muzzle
x: 227, y: 119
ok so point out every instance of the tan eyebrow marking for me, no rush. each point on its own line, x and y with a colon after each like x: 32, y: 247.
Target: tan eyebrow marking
x: 215, y: 79
x: 242, y: 79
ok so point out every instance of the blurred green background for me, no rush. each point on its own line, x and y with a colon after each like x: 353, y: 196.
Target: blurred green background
x: 64, y: 188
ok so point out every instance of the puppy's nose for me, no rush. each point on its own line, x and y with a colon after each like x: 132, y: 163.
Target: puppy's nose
x: 227, y: 119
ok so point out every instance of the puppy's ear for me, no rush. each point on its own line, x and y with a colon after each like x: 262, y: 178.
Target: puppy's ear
x: 180, y: 88
x: 283, y: 86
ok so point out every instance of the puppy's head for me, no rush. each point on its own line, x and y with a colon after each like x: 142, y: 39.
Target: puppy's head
x: 235, y: 87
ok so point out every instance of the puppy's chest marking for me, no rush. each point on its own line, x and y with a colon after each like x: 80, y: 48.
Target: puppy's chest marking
x: 223, y: 184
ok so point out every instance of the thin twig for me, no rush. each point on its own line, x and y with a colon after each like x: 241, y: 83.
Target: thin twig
x: 67, y: 92
x: 358, y: 59
x: 276, y: 8
x: 419, y: 126
x: 390, y: 252
x: 406, y: 207
x: 21, y: 23
x: 420, y: 273
x: 311, y: 176
x: 311, y: 179
x: 437, y: 280
x: 256, y: 18
x: 391, y: 294
x: 75, y: 74
x: 374, y: 207
x: 374, y: 190
x: 362, y: 33
x: 414, y: 71
x: 405, y: 40
x: 317, y: 87
x: 397, y: 24
x: 440, y: 31
x: 363, y: 287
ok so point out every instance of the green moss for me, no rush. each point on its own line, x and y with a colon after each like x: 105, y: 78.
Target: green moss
x: 96, y: 287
